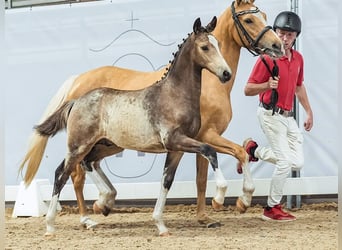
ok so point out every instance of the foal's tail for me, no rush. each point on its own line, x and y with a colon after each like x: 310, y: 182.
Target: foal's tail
x: 37, y: 142
x: 55, y: 122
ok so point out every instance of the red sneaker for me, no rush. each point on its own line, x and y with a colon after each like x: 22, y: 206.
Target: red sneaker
x: 276, y: 213
x: 248, y: 145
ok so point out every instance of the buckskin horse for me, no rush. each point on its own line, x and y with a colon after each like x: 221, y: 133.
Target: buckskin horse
x: 164, y: 117
x: 241, y: 25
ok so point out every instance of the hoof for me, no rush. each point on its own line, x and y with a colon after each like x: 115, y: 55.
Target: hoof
x: 96, y: 209
x: 214, y: 224
x: 49, y: 235
x: 88, y: 223
x: 165, y: 234
x: 241, y: 207
x: 106, y: 211
x: 209, y: 223
x: 216, y: 206
x: 239, y: 168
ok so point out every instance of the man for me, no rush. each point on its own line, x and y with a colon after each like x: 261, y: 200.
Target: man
x: 285, y: 140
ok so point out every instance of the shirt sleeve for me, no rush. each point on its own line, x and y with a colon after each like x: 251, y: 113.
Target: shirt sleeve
x: 259, y: 72
x: 301, y: 72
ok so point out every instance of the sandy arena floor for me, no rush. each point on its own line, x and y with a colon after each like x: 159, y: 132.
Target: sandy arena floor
x: 133, y: 228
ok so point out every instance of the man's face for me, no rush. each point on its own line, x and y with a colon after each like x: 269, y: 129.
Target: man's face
x: 287, y: 37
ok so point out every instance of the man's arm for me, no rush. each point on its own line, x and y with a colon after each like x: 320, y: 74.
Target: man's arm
x: 304, y: 101
x: 252, y: 89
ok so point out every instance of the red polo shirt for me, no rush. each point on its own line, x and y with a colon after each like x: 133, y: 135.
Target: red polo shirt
x: 290, y: 76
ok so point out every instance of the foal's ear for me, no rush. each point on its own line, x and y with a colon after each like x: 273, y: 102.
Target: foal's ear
x: 211, y: 26
x: 197, y: 25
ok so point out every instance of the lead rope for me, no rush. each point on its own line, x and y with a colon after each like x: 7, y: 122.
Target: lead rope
x: 274, y: 73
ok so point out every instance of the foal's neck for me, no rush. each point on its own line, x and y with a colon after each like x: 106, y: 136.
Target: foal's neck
x: 184, y: 70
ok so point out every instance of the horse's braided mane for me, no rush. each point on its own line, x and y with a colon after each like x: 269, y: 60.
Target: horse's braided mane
x: 175, y: 54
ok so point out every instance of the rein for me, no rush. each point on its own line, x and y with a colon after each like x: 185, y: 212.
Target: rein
x: 243, y: 32
x: 274, y: 95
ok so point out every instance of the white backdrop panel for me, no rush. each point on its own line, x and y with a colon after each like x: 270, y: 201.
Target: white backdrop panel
x: 46, y: 45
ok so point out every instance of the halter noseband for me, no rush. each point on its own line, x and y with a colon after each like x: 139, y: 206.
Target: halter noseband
x: 240, y: 29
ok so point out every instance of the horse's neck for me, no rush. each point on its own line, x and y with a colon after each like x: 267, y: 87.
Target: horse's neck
x: 184, y: 71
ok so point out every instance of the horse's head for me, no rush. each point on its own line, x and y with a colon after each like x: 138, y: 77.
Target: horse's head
x: 252, y: 31
x: 206, y: 51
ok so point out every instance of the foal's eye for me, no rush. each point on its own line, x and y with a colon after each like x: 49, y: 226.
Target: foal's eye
x: 248, y: 20
x: 205, y: 47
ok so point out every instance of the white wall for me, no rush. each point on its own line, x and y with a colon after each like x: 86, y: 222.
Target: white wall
x: 46, y: 45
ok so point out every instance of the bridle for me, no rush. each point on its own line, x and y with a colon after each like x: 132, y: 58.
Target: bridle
x: 243, y: 32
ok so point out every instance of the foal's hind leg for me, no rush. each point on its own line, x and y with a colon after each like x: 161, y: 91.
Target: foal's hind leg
x: 62, y: 174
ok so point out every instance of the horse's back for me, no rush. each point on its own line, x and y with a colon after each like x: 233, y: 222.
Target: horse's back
x: 113, y: 77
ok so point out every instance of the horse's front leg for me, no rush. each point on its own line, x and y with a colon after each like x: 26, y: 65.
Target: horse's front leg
x: 78, y: 179
x: 222, y: 145
x: 170, y: 167
x: 201, y: 181
x: 107, y: 192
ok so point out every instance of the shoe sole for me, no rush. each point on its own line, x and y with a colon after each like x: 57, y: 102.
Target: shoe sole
x: 265, y: 218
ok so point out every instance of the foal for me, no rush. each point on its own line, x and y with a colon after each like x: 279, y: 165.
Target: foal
x: 164, y: 117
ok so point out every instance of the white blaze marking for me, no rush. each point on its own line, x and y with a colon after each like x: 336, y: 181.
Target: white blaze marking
x: 214, y: 42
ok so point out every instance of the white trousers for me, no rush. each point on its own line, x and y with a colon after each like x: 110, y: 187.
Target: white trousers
x: 285, y: 149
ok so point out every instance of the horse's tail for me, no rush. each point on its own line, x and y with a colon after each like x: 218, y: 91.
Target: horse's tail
x: 37, y: 142
x: 55, y: 122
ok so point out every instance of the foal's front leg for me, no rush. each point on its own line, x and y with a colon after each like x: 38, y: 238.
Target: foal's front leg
x: 107, y: 193
x: 171, y: 163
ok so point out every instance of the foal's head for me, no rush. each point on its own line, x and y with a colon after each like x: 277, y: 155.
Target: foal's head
x: 206, y: 52
x: 201, y: 49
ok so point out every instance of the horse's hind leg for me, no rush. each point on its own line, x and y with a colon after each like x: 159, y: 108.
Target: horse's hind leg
x: 78, y: 179
x: 171, y: 164
x: 62, y: 174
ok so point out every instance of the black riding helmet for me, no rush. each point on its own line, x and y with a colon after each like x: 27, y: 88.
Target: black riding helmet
x: 289, y: 21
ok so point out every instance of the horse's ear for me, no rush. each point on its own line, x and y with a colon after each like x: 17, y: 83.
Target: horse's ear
x: 197, y: 25
x: 211, y: 26
x: 238, y: 2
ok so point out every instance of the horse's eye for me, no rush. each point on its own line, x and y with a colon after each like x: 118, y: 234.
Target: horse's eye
x: 204, y: 48
x: 248, y: 20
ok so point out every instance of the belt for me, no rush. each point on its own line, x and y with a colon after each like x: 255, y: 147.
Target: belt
x: 286, y: 113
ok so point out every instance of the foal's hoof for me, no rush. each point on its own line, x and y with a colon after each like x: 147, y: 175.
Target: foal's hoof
x: 215, y: 224
x: 106, y: 211
x: 217, y: 206
x: 241, y: 207
x: 97, y: 210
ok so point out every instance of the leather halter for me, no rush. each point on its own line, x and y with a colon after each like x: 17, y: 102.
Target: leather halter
x: 243, y: 32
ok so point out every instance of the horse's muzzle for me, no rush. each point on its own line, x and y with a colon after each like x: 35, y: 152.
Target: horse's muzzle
x: 225, y: 76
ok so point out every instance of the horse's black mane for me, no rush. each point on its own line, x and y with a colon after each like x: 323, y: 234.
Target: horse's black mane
x: 175, y: 54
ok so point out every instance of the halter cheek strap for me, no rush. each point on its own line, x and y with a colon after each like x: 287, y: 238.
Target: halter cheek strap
x: 243, y: 32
